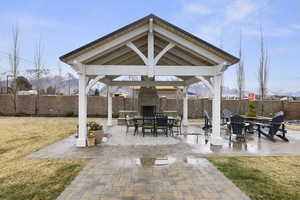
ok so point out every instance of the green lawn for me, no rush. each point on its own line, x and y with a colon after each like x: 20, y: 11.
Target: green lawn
x: 22, y: 178
x: 263, y: 178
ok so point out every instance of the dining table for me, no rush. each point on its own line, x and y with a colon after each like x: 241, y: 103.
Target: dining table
x: 252, y: 120
x: 138, y: 120
x: 260, y: 119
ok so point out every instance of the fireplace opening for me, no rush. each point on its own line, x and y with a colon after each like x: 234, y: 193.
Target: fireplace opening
x: 148, y: 111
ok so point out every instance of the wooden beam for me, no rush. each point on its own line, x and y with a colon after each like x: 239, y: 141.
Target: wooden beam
x: 150, y: 62
x: 124, y: 58
x: 206, y: 83
x: 93, y: 82
x: 177, y: 54
x: 147, y: 83
x: 114, y: 43
x: 189, y: 45
x: 222, y: 67
x: 138, y: 52
x: 115, y: 54
x: 163, y: 52
x: 192, y: 81
x: 107, y: 79
x: 185, y: 70
x: 142, y: 70
x: 172, y: 60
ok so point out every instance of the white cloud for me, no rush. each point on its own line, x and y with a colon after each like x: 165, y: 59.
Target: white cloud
x: 197, y: 8
x: 30, y: 21
x: 26, y: 21
x: 211, y: 33
x: 295, y: 26
x: 238, y: 10
x: 270, y: 31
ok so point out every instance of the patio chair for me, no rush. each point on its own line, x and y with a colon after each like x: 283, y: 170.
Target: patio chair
x: 275, y: 126
x: 238, y: 127
x: 130, y: 123
x: 207, y: 122
x: 162, y: 124
x: 226, y: 116
x: 279, y: 113
x: 160, y: 115
x: 148, y: 124
x: 177, y: 125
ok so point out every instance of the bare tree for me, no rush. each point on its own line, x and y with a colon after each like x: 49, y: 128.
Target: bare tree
x: 263, y: 71
x: 38, y: 71
x: 240, y: 73
x: 14, y: 61
x: 58, y: 79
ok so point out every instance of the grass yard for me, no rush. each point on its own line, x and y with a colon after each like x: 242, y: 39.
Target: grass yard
x: 22, y: 178
x: 263, y: 178
x: 293, y: 127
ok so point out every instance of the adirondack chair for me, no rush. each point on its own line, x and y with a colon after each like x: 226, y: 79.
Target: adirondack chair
x: 207, y: 122
x: 237, y: 127
x: 275, y: 126
x: 226, y: 116
x: 207, y: 126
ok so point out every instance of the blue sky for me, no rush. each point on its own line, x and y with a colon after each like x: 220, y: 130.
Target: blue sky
x: 65, y: 25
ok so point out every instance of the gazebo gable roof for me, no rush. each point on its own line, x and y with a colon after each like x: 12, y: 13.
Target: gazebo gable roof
x: 164, y: 32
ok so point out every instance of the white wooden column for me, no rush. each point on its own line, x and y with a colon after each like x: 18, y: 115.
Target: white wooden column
x: 150, y: 49
x: 109, y: 106
x: 185, y: 106
x: 82, y: 110
x: 216, y: 110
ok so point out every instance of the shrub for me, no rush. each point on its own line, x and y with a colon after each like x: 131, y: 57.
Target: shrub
x: 93, y: 126
x: 20, y: 114
x: 115, y: 115
x: 70, y: 114
x: 251, y: 109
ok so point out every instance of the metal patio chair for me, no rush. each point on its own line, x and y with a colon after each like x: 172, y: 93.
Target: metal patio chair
x: 130, y: 123
x: 162, y: 124
x: 148, y: 124
x: 176, y: 124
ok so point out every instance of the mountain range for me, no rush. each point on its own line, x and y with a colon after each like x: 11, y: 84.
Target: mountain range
x: 69, y: 84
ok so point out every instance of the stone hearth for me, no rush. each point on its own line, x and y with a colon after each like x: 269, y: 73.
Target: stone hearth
x: 148, y: 101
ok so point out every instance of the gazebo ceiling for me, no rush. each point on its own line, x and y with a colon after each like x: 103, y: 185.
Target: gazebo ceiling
x: 126, y: 56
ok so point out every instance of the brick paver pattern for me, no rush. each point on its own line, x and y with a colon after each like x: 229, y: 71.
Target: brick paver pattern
x: 136, y: 168
x: 149, y: 173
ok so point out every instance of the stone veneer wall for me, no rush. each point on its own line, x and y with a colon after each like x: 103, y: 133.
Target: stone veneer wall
x: 97, y: 105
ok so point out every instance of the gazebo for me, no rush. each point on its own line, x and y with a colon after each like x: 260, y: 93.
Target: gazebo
x: 149, y: 48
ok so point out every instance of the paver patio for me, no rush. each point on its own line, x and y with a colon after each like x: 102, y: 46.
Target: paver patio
x: 133, y: 167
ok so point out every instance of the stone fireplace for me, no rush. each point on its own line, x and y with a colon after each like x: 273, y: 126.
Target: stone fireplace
x: 148, y: 101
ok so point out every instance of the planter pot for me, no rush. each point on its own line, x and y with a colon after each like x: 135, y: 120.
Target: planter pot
x: 91, y: 142
x: 98, y: 136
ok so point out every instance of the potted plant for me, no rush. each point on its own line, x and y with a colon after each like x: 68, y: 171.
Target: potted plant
x: 97, y: 130
x: 91, y: 139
